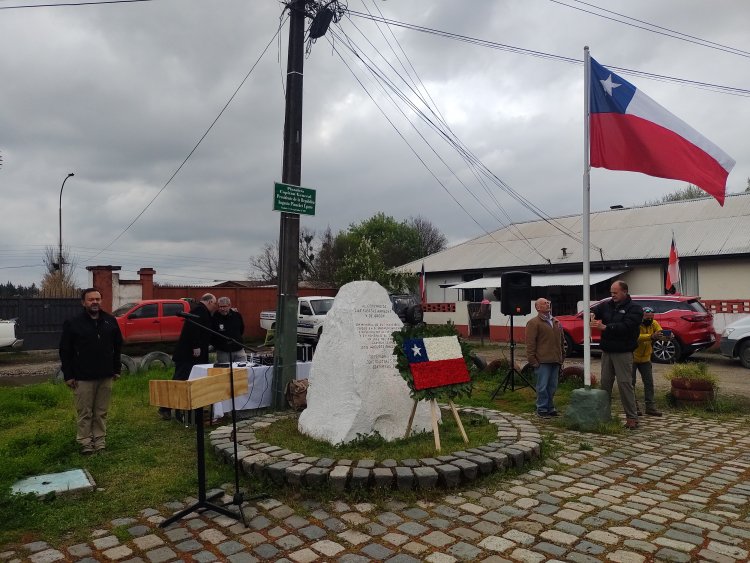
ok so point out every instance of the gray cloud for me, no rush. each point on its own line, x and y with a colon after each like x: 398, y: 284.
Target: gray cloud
x: 119, y: 94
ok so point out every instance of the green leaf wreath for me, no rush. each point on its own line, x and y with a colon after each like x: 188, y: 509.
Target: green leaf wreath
x: 448, y: 392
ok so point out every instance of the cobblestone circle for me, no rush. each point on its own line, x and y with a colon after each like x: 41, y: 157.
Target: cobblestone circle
x: 677, y: 489
x: 518, y: 442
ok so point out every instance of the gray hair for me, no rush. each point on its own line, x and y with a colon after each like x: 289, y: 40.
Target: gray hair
x: 208, y: 298
x: 224, y: 301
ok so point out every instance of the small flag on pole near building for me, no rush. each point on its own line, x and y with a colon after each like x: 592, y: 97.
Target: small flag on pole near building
x: 673, y: 270
x: 436, y: 361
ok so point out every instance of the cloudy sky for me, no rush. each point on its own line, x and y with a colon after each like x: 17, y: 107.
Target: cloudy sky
x: 120, y: 94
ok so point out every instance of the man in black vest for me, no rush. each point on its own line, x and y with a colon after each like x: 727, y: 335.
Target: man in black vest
x: 90, y: 354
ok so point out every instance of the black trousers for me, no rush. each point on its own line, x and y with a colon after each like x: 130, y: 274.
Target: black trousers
x: 182, y: 371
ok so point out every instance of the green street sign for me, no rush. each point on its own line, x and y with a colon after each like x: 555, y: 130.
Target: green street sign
x: 293, y: 199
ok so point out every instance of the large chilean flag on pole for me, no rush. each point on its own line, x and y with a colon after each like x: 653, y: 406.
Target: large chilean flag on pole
x: 630, y: 131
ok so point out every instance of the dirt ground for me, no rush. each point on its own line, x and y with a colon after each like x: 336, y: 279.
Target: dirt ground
x: 733, y: 378
x: 35, y: 367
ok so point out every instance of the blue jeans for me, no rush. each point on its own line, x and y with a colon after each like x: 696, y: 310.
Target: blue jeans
x: 546, y: 385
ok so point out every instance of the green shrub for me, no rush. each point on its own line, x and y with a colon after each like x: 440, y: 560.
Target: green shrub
x: 696, y: 370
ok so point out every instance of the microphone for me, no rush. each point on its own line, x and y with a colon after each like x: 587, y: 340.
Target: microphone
x: 185, y: 315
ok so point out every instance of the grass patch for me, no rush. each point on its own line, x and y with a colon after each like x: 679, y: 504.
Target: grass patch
x: 147, y: 461
x: 478, y: 430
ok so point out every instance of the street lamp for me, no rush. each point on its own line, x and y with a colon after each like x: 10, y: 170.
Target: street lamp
x: 59, y: 217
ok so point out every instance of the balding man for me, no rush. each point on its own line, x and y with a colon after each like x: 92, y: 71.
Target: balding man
x: 192, y: 345
x: 545, y: 352
x: 229, y: 323
x: 619, y: 319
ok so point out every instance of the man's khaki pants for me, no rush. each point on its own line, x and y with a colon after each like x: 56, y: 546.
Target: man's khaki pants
x: 618, y: 366
x: 92, y: 402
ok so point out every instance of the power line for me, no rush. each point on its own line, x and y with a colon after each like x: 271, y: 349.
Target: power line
x: 543, y: 55
x: 69, y: 4
x: 660, y: 30
x: 205, y: 134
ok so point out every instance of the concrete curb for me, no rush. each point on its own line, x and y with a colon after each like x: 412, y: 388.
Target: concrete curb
x: 518, y: 443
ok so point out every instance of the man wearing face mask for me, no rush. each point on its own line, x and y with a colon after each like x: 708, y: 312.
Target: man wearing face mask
x: 650, y: 331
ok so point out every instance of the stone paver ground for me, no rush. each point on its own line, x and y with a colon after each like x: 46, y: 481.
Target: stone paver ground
x: 677, y: 489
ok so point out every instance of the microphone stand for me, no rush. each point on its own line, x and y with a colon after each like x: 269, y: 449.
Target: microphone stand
x: 238, y: 498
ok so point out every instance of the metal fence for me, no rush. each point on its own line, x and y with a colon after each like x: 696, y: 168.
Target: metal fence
x: 40, y: 319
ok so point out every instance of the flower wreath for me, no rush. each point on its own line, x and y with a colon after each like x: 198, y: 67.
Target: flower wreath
x: 448, y: 392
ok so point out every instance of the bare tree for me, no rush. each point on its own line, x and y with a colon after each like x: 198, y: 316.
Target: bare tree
x: 265, y: 266
x: 59, y: 279
x: 431, y: 240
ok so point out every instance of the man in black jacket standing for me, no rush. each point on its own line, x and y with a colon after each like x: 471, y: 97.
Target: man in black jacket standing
x: 90, y: 354
x: 619, y: 319
x: 228, y: 322
x: 192, y: 345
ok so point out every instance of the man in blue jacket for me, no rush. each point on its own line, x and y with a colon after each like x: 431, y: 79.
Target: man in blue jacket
x: 619, y: 319
x: 90, y: 354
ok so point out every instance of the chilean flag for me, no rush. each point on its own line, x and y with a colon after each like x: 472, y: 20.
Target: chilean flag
x: 436, y: 362
x: 673, y: 270
x: 630, y: 131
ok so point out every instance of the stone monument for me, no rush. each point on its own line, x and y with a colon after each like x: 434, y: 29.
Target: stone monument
x: 355, y: 388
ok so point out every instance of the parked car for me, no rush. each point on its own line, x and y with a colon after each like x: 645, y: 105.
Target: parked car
x: 408, y: 308
x: 311, y: 312
x: 151, y: 320
x: 685, y: 316
x: 735, y: 341
x: 10, y: 336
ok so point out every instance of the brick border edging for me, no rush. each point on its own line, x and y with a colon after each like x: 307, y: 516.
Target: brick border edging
x: 518, y: 442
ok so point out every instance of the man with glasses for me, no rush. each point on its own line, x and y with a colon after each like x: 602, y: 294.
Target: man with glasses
x: 228, y: 322
x: 545, y: 352
x: 619, y: 320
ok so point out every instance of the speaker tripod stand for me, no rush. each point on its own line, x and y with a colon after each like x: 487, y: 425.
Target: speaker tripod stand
x: 512, y: 371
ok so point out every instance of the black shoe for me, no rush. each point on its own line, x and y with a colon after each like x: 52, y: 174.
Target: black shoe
x: 544, y: 414
x: 553, y: 413
x: 653, y: 412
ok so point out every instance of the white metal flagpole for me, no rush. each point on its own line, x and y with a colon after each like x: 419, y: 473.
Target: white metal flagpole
x: 586, y: 219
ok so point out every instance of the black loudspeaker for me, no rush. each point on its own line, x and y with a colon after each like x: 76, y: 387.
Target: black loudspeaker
x: 515, y: 293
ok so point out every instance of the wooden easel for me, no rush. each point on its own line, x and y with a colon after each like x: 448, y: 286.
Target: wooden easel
x: 434, y: 410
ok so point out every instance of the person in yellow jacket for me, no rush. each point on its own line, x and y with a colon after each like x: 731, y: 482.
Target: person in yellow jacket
x: 650, y: 331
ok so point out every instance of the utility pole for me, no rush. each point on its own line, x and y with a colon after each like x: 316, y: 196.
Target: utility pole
x: 285, y: 350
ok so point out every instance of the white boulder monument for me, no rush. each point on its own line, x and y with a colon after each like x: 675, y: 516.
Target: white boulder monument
x: 355, y: 388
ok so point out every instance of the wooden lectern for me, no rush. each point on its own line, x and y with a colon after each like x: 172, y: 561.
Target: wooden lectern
x: 194, y: 395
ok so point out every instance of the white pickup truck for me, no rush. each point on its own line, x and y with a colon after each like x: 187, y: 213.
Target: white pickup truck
x: 9, y: 334
x: 311, y: 312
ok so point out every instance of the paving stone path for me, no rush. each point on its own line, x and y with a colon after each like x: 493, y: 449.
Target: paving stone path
x: 678, y: 489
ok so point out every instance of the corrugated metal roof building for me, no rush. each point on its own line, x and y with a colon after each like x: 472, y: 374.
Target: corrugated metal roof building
x: 713, y: 244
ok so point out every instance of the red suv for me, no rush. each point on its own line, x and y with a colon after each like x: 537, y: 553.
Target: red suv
x: 685, y: 316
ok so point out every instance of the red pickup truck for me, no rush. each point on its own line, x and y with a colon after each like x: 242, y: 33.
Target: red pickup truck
x: 152, y: 320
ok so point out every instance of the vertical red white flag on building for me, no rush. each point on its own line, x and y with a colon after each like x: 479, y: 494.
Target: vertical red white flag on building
x: 422, y: 286
x: 673, y: 270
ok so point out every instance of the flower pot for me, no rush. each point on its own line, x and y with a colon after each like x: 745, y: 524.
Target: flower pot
x: 692, y: 392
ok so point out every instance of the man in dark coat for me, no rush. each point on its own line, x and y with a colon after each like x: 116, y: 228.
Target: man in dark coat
x: 192, y: 345
x: 619, y: 319
x: 90, y: 354
x: 228, y: 322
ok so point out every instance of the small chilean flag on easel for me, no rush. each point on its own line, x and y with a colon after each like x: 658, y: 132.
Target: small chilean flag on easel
x: 436, y: 362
